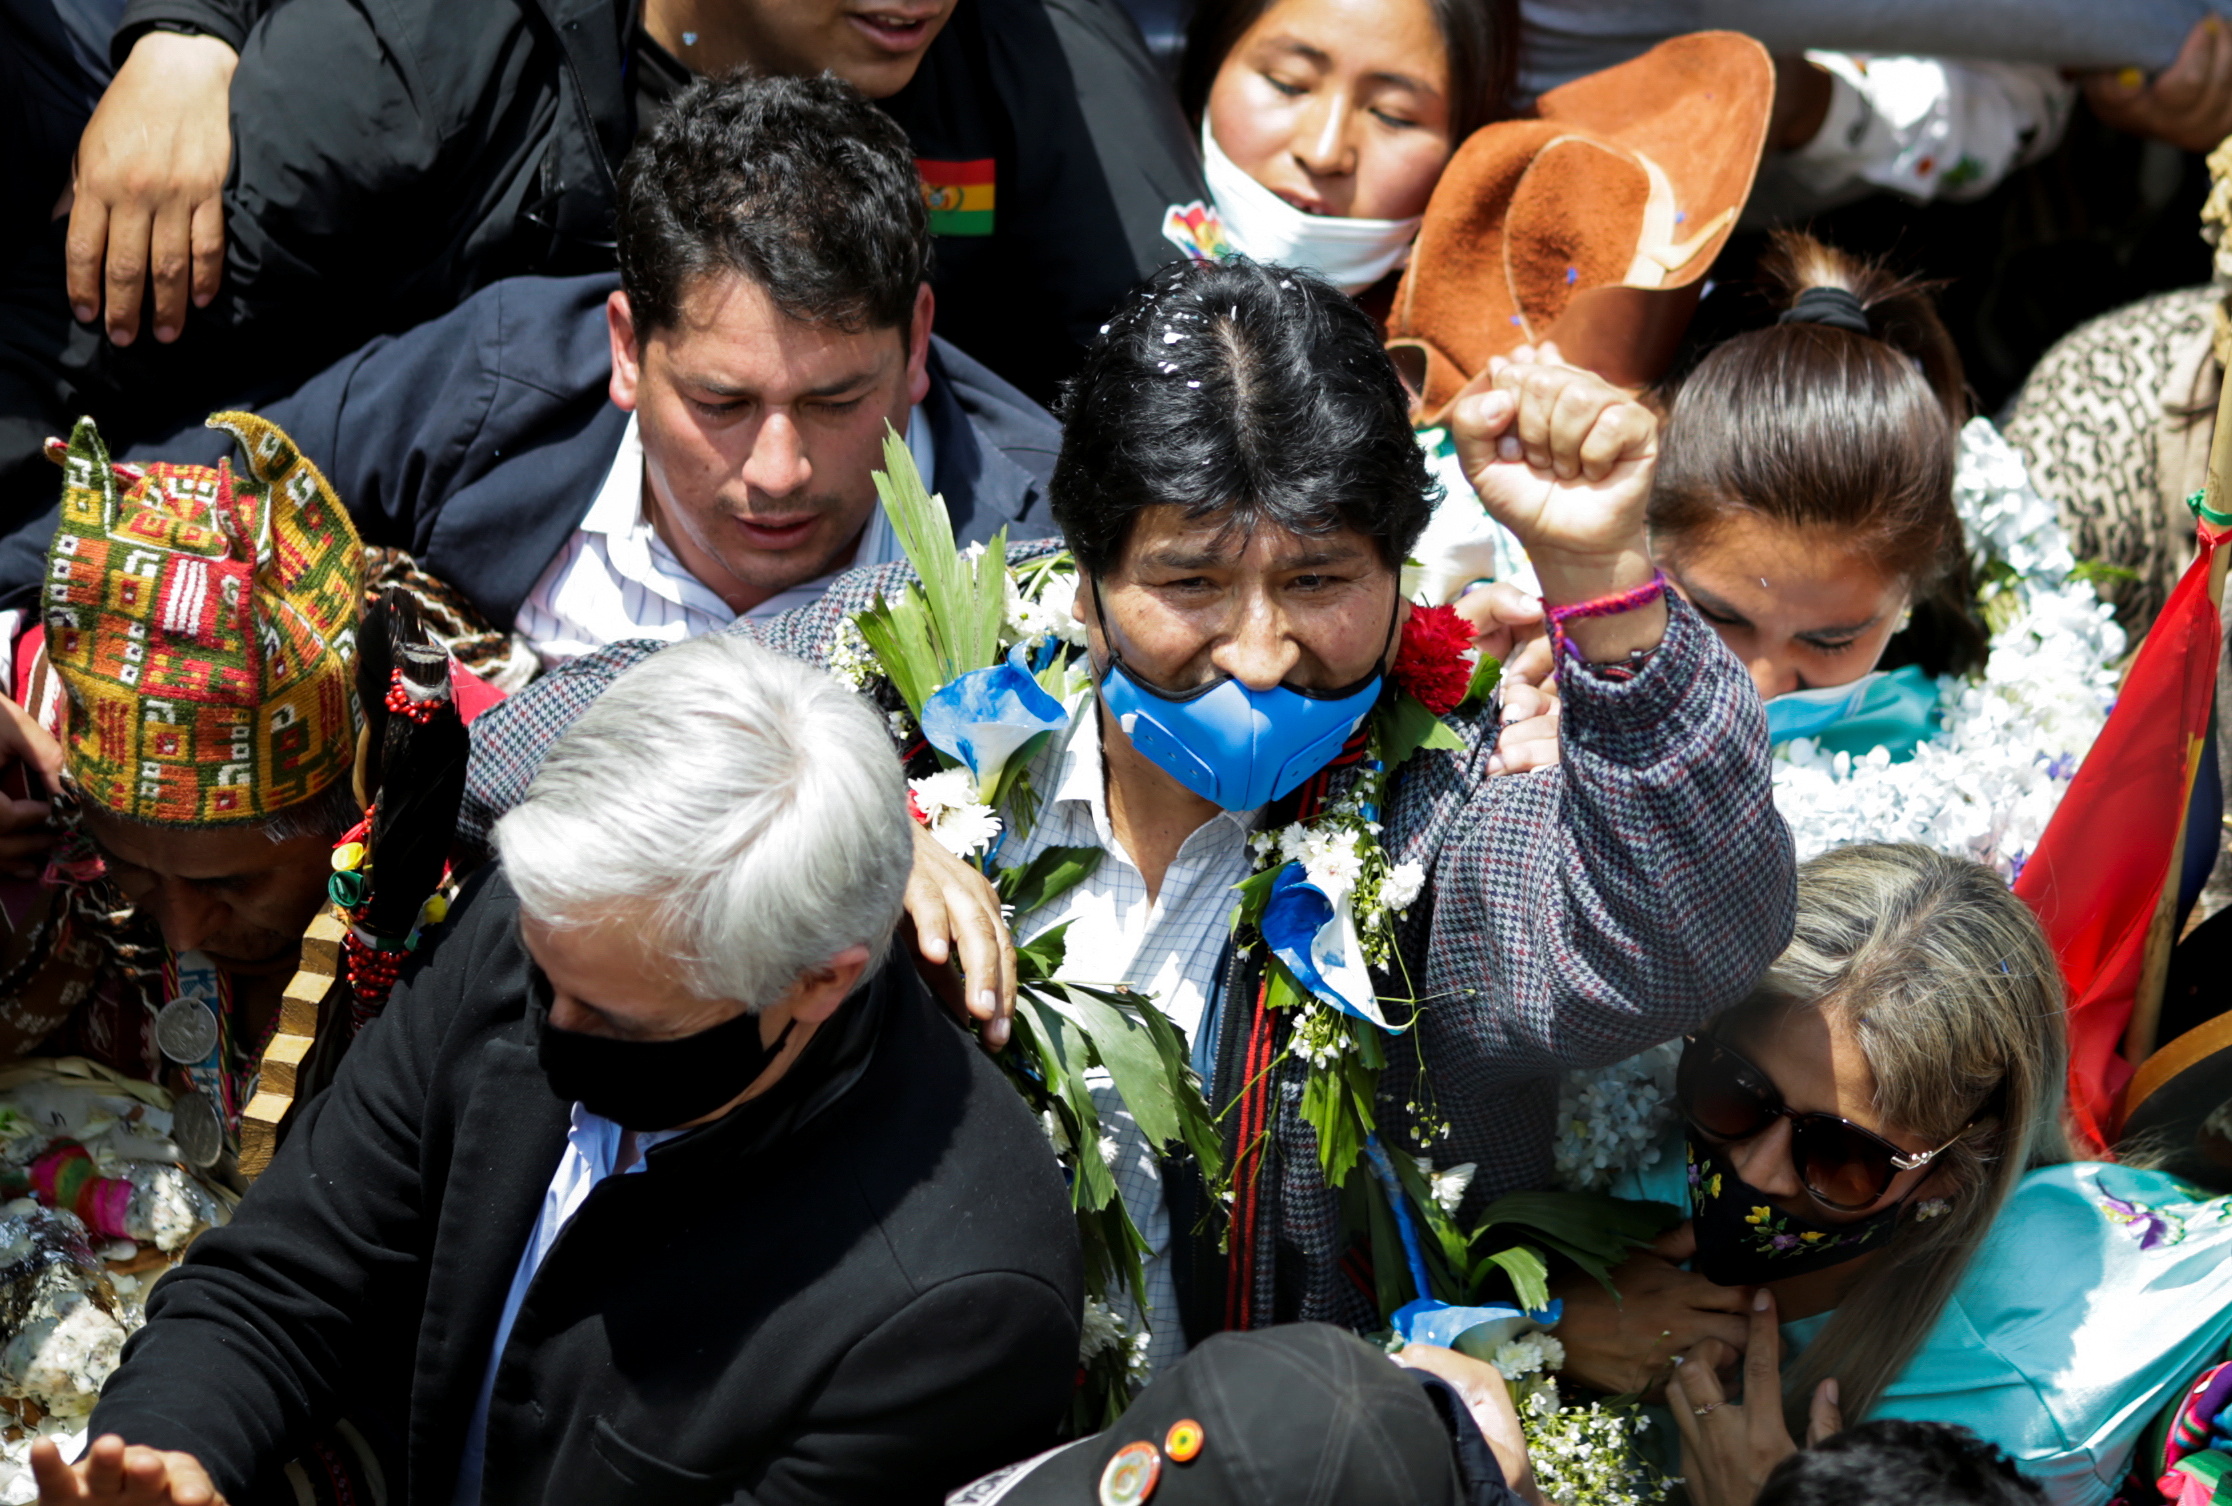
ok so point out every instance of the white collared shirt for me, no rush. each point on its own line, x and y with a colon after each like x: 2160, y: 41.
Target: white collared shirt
x: 593, y: 1145
x: 616, y: 578
x: 1169, y: 947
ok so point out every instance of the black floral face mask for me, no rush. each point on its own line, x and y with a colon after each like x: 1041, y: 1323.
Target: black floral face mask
x: 1743, y: 1239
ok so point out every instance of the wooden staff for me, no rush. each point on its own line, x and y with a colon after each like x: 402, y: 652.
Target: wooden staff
x: 320, y: 973
x: 2154, y: 967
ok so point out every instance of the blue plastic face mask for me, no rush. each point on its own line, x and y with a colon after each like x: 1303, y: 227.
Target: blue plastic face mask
x: 1236, y: 747
x: 1808, y: 713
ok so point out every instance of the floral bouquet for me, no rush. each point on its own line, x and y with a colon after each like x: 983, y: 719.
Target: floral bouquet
x: 983, y: 656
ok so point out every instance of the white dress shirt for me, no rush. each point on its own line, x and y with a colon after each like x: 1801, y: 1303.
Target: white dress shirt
x: 1169, y: 947
x: 616, y: 578
x: 593, y: 1146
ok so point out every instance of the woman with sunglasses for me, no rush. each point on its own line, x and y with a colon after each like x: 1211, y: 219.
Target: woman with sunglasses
x: 1870, y: 1151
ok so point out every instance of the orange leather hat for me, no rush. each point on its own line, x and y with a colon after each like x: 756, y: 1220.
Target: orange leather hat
x: 1592, y: 225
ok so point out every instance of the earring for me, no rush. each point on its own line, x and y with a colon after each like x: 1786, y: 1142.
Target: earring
x: 1906, y: 620
x: 1933, y: 1207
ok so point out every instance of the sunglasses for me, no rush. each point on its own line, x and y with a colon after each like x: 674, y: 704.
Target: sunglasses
x: 1844, y: 1166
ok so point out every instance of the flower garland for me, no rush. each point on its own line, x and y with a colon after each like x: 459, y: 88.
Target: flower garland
x: 1325, y: 901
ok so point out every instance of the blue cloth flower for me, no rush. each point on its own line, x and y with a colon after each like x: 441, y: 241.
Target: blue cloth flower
x: 986, y: 715
x: 1316, y: 939
x: 1429, y: 1322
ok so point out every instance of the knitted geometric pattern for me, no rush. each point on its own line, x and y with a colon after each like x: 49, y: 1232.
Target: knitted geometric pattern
x: 204, y: 625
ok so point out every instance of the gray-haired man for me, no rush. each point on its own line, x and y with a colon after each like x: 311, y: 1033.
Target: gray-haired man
x: 657, y: 1183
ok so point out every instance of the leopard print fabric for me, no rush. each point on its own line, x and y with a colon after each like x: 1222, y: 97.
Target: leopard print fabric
x: 2113, y: 444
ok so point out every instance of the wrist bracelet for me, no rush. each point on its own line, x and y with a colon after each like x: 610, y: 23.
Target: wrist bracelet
x: 1603, y: 606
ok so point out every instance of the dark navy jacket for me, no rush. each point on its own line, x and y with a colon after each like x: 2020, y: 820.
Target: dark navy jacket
x: 478, y: 441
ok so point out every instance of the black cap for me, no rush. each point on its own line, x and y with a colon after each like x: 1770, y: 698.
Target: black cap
x: 1300, y: 1415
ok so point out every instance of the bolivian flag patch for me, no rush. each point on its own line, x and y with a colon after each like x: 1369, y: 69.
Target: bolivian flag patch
x: 958, y: 195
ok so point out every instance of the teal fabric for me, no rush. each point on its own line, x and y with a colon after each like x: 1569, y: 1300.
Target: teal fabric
x: 1898, y: 713
x: 2099, y: 1294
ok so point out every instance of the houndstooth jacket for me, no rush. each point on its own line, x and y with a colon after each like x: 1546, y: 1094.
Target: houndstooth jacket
x: 1572, y: 916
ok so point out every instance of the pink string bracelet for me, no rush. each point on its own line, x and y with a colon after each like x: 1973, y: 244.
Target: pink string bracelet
x: 1604, y: 606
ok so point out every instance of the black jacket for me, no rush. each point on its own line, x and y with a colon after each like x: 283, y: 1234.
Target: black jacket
x: 390, y: 159
x: 862, y: 1287
x: 478, y: 442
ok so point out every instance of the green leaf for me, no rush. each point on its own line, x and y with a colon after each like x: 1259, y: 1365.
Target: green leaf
x: 897, y: 630
x: 1605, y: 1227
x: 2100, y: 573
x: 1063, y: 1058
x: 989, y: 610
x: 1485, y: 677
x: 1017, y: 775
x: 1530, y: 1276
x: 1406, y: 726
x: 1047, y: 877
x: 925, y: 532
x: 1040, y: 958
x: 1390, y: 1271
x: 1280, y: 991
x: 1254, y: 893
x: 1129, y: 1052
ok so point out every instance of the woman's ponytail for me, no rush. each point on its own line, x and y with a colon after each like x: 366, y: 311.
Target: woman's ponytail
x: 1842, y: 418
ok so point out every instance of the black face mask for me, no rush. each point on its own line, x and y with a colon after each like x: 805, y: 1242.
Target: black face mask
x: 652, y: 1085
x: 1743, y: 1239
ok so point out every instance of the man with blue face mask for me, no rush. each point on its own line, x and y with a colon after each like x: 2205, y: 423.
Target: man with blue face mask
x: 1239, y: 486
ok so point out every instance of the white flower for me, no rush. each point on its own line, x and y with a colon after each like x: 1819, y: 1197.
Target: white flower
x: 1521, y: 1356
x: 1401, y: 885
x: 850, y: 658
x: 1047, y: 615
x: 1102, y: 1330
x: 946, y: 790
x: 1057, y: 1133
x: 961, y: 824
x: 1447, y: 1187
x: 1331, y: 861
x: 1108, y: 1149
x: 1614, y: 1119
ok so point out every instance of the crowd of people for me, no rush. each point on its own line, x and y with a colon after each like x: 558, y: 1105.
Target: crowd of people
x: 1255, y: 751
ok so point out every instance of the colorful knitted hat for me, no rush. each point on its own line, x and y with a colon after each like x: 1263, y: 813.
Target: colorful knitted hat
x: 204, y: 625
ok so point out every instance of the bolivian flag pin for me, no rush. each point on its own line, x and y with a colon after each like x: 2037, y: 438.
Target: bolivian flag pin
x: 958, y: 195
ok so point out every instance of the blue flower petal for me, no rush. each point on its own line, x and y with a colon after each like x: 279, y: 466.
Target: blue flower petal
x: 1294, y: 914
x: 983, y: 717
x: 1429, y: 1322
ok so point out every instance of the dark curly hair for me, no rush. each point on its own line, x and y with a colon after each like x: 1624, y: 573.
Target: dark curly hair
x: 1235, y: 389
x: 799, y: 184
x: 1893, y: 1462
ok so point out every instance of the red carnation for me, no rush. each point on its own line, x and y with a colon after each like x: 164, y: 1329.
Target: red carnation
x: 1431, y: 663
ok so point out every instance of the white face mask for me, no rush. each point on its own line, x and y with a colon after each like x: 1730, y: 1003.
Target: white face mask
x: 1350, y: 254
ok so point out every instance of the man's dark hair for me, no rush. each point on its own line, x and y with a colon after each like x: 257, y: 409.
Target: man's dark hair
x: 1893, y: 1462
x: 799, y: 184
x: 1248, y: 391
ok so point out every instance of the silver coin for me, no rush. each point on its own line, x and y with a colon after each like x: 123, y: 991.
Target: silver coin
x: 186, y: 1030
x: 196, y: 1129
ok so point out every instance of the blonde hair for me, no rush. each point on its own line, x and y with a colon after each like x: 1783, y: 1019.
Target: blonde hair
x: 1945, y: 980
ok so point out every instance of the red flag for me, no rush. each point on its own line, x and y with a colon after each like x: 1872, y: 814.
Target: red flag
x: 2099, y: 870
